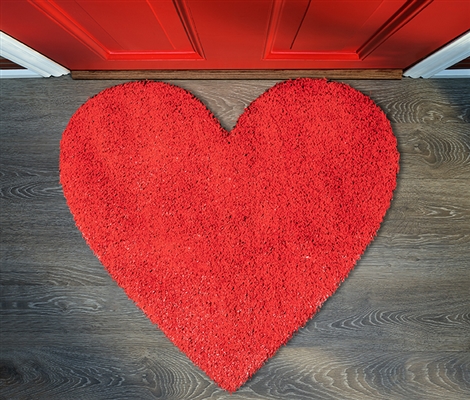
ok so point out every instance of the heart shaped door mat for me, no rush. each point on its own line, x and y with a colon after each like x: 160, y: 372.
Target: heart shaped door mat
x: 229, y: 241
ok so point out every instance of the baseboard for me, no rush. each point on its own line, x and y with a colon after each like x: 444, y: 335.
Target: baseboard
x: 243, y: 74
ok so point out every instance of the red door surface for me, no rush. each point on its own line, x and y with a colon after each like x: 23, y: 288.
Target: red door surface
x: 234, y: 34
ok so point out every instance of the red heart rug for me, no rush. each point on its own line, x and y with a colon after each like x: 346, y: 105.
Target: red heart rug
x: 229, y: 241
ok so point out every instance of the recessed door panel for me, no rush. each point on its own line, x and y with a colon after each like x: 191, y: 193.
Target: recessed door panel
x: 335, y: 29
x: 120, y: 30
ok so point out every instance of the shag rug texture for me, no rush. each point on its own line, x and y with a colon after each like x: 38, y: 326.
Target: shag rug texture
x: 229, y: 241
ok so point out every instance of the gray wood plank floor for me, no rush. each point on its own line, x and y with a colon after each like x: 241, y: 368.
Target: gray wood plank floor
x: 398, y: 328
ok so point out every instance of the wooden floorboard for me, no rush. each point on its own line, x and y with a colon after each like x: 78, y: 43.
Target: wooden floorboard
x: 397, y: 328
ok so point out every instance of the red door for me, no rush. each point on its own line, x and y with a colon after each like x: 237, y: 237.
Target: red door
x: 234, y: 34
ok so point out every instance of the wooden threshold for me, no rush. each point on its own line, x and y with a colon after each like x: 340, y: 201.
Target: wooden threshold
x: 243, y: 74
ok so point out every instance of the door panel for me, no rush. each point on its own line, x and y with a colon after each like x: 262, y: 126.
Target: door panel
x: 125, y: 30
x: 315, y: 30
x: 319, y: 28
x: 234, y: 34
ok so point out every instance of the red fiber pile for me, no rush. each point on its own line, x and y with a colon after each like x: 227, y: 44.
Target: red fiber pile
x: 229, y: 241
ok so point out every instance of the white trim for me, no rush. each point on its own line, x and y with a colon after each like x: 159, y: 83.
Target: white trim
x: 26, y: 57
x: 453, y: 73
x: 449, y: 55
x: 18, y: 73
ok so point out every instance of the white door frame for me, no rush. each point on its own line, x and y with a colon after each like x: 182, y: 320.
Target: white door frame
x: 435, y: 65
x: 36, y: 64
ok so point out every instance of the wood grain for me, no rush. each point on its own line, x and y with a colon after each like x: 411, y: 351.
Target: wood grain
x: 397, y: 328
x: 243, y: 74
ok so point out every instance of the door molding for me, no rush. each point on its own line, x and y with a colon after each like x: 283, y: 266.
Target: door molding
x: 36, y: 64
x: 435, y: 65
